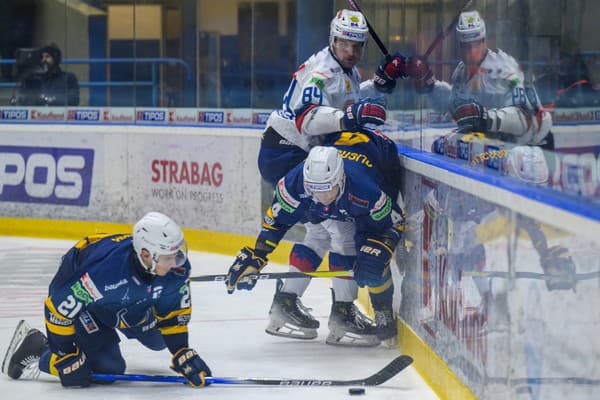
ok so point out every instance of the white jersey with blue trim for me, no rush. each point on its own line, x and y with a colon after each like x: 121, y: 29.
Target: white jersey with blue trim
x: 320, y: 81
x: 499, y: 86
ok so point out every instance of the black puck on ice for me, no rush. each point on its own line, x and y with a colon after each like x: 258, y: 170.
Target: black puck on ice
x: 356, y: 391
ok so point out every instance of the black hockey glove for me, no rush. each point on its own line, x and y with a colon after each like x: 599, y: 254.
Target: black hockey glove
x: 189, y: 364
x: 472, y: 117
x: 372, y: 264
x: 248, y: 261
x: 361, y: 113
x: 73, y: 369
x: 388, y: 71
x: 558, y: 264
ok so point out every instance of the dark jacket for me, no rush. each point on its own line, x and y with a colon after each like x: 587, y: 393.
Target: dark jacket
x: 55, y: 88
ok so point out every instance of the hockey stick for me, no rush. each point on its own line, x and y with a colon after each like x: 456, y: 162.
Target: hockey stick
x: 393, y: 368
x: 275, y: 275
x: 527, y: 275
x: 380, y: 44
x: 442, y: 35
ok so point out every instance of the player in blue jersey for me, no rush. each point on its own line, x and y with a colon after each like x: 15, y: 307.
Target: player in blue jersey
x: 136, y: 284
x: 345, y: 183
x: 326, y: 95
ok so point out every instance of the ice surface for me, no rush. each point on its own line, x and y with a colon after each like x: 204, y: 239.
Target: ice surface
x: 227, y: 331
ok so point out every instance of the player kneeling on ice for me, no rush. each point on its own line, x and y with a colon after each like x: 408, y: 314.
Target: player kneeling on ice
x: 327, y: 187
x: 138, y: 284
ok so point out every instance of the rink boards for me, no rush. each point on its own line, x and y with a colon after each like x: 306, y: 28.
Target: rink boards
x: 463, y: 303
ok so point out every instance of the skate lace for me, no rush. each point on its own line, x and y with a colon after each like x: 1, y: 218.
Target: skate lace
x: 302, y: 308
x: 361, y: 320
x: 31, y: 369
x: 383, y: 317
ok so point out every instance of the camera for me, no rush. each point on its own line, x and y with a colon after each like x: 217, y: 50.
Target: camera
x: 28, y: 60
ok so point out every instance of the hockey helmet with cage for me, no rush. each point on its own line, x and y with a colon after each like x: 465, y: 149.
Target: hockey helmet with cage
x: 470, y: 27
x: 159, y: 235
x: 349, y: 25
x: 323, y: 170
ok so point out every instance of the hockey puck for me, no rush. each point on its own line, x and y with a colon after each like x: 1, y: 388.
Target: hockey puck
x: 356, y: 391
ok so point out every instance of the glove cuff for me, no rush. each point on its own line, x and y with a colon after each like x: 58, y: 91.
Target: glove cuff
x: 493, y: 120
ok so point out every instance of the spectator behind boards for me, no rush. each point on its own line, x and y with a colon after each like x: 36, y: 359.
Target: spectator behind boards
x: 42, y: 82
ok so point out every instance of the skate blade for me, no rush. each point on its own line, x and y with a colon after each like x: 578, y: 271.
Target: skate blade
x: 20, y: 333
x: 290, y: 331
x: 352, y: 340
x: 391, y: 343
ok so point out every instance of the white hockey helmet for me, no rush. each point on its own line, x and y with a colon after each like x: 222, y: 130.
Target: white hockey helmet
x: 323, y: 170
x: 350, y: 25
x: 160, y: 235
x: 470, y: 27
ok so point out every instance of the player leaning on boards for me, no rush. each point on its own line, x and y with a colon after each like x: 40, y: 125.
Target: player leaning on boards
x: 325, y: 96
x: 326, y: 188
x: 138, y: 284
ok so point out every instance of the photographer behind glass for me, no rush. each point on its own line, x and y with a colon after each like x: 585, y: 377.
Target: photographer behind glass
x: 41, y: 81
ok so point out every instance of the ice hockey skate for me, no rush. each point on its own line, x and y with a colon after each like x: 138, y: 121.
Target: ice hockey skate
x: 348, y: 326
x: 387, y: 327
x: 24, y: 351
x: 290, y: 318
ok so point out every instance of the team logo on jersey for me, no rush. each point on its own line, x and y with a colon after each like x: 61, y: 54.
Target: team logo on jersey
x: 114, y: 286
x: 287, y: 201
x: 88, y: 322
x: 318, y: 82
x: 382, y: 207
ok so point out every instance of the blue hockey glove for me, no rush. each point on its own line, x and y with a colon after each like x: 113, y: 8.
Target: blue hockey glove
x: 373, y: 259
x: 557, y: 263
x: 73, y: 369
x: 388, y: 71
x: 361, y: 113
x: 472, y: 117
x: 189, y: 364
x: 248, y: 261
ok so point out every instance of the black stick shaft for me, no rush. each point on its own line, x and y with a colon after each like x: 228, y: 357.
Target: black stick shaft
x: 374, y: 34
x: 274, y: 275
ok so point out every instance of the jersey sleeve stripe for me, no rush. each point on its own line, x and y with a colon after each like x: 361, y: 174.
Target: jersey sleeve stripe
x: 173, y: 330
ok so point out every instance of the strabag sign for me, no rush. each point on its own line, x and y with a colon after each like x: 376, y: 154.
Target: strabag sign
x: 50, y: 175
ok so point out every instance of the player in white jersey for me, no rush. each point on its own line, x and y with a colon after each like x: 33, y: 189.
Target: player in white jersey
x: 325, y: 96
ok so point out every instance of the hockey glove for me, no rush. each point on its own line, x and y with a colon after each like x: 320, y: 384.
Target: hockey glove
x: 558, y: 264
x: 73, y: 369
x: 361, y: 113
x: 373, y: 259
x: 189, y: 364
x: 388, y: 71
x: 247, y: 262
x: 472, y: 117
x: 420, y: 73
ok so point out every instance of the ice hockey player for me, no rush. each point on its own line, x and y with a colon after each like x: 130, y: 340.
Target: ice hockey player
x: 325, y: 95
x: 350, y: 190
x: 137, y: 284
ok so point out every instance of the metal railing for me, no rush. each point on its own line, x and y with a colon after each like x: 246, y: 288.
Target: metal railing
x: 153, y: 82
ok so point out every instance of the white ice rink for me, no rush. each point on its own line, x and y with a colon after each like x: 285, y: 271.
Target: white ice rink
x: 227, y: 331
